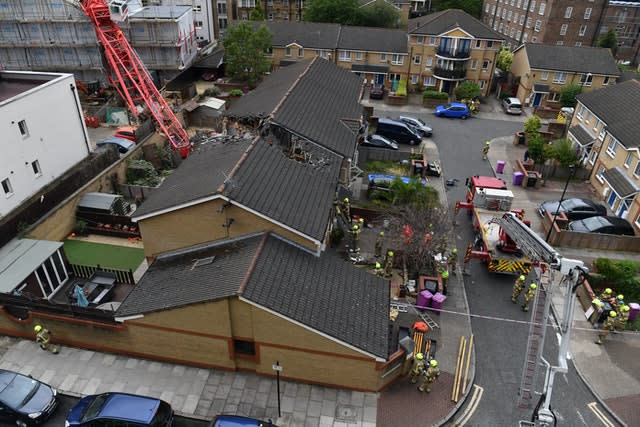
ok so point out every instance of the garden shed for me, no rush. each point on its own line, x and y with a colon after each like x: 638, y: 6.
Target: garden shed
x: 103, y: 203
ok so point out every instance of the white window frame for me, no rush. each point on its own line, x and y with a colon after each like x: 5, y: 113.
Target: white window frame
x: 563, y: 29
x: 586, y: 79
x: 628, y: 160
x: 583, y: 30
x: 568, y: 12
x: 24, y: 130
x: 419, y: 39
x: 580, y: 111
x: 7, y: 187
x: 542, y: 8
x: 397, y: 59
x: 532, y: 6
x: 605, y: 80
x: 636, y: 171
x: 600, y: 174
x: 544, y: 75
x: 592, y: 157
x: 359, y: 55
x: 509, y: 16
x: 481, y: 83
x: 414, y: 79
x: 429, y: 81
x: 417, y: 59
x: 560, y: 77
x: 602, y: 133
x: 300, y: 52
x: 35, y: 167
x: 587, y: 12
x: 383, y: 57
x: 428, y: 62
x: 474, y: 64
x: 485, y: 64
x: 611, y: 148
x: 287, y: 51
x: 538, y: 26
x: 345, y: 55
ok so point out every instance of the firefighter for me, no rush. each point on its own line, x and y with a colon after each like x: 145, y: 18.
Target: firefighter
x: 43, y: 338
x: 597, y: 305
x: 529, y: 296
x: 606, y: 295
x: 388, y: 264
x: 336, y: 207
x: 378, y: 269
x: 379, y: 239
x: 355, y: 234
x: 453, y: 259
x: 518, y: 286
x: 445, y: 280
x: 622, y: 318
x: 346, y: 208
x: 608, y: 326
x: 485, y: 149
x: 418, y: 367
x: 429, y: 376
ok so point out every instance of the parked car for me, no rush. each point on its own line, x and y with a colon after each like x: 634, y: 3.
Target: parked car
x: 574, y: 208
x: 512, y: 106
x: 398, y: 131
x: 238, y: 421
x: 123, y: 145
x: 25, y: 401
x: 418, y: 124
x: 453, y: 110
x: 127, y: 132
x: 377, y: 91
x: 603, y: 225
x: 120, y: 410
x: 378, y: 141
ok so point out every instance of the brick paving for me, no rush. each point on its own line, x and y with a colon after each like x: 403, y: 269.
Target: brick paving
x: 627, y: 408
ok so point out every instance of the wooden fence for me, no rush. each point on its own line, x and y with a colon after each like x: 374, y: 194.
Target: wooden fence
x: 86, y: 271
x: 20, y: 307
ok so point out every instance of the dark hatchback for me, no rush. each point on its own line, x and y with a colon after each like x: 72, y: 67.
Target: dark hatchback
x: 574, y: 208
x: 377, y: 91
x: 603, y: 225
x: 25, y: 401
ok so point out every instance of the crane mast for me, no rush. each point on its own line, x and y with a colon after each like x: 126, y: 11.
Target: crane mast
x: 130, y: 77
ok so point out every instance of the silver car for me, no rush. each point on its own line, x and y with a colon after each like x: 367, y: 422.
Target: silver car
x: 417, y: 124
x: 512, y: 105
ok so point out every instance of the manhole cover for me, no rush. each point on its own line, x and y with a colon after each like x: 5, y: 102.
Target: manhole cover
x: 346, y: 413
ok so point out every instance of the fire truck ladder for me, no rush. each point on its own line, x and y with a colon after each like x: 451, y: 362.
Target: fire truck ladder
x: 542, y: 253
x: 130, y: 77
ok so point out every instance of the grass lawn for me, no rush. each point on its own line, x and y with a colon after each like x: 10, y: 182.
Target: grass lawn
x: 88, y: 253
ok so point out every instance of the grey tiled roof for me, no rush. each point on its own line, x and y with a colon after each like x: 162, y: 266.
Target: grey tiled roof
x: 319, y: 103
x: 620, y: 182
x: 373, y: 39
x: 325, y: 293
x: 299, y: 195
x: 309, y: 35
x: 198, y: 176
x: 261, y: 101
x: 617, y: 106
x: 582, y: 135
x: 595, y: 60
x: 176, y: 280
x: 438, y: 23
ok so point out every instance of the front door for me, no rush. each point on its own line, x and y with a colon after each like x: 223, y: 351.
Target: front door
x: 611, y: 201
x: 537, y: 97
x: 446, y: 86
x: 380, y: 79
x: 622, y: 209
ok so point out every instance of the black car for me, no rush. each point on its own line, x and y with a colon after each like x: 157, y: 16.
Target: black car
x: 25, y: 401
x: 378, y: 141
x: 574, y: 208
x: 377, y: 91
x: 603, y: 225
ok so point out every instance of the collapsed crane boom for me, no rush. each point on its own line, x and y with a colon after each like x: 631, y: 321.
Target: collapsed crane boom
x: 130, y: 77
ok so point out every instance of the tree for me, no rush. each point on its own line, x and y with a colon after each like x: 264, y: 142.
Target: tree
x: 609, y: 40
x: 568, y: 95
x: 472, y: 7
x: 467, y: 90
x: 564, y: 153
x: 244, y: 51
x: 504, y: 59
x: 539, y: 151
x: 379, y: 14
x: 532, y: 126
x: 256, y: 13
x: 336, y: 11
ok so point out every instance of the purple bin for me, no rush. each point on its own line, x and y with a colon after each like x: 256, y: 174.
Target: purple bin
x: 438, y: 301
x: 634, y: 308
x: 517, y: 178
x: 500, y: 166
x: 424, y: 299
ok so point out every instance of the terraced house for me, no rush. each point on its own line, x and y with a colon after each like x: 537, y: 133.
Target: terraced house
x: 450, y: 47
x: 605, y: 129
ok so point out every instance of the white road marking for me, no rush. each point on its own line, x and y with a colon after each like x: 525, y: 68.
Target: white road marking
x: 471, y: 408
x: 601, y: 416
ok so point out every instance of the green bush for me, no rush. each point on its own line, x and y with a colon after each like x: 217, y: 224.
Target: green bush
x: 467, y: 90
x: 434, y: 94
x: 623, y: 276
x: 235, y: 92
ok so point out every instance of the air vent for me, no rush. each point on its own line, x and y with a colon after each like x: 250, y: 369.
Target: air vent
x: 203, y: 261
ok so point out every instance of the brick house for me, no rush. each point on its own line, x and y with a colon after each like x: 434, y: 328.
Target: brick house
x: 542, y: 71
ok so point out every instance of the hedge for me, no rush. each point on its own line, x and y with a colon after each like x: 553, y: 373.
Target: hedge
x: 434, y: 94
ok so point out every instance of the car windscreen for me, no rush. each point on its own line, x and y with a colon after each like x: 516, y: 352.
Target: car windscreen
x: 162, y: 415
x: 573, y: 204
x: 17, y: 390
x: 93, y: 408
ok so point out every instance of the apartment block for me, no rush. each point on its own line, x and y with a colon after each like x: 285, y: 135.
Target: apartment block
x: 624, y: 18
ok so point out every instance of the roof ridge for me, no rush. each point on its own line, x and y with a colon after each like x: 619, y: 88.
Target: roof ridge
x: 292, y: 87
x: 239, y: 163
x: 253, y: 263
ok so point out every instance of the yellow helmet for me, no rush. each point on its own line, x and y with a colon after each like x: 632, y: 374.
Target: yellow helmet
x: 620, y: 297
x: 522, y: 277
x: 378, y: 265
x: 433, y: 363
x: 454, y: 250
x: 612, y: 313
x: 533, y: 286
x: 382, y: 234
x: 355, y: 227
x: 346, y: 200
x: 419, y: 356
x: 608, y: 291
x: 445, y: 274
x: 487, y: 143
x: 390, y: 253
x: 37, y: 328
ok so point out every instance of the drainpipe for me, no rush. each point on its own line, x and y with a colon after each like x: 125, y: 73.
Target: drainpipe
x: 526, y: 16
x: 79, y: 111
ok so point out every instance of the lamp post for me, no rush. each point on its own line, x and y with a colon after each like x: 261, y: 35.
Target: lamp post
x: 572, y: 170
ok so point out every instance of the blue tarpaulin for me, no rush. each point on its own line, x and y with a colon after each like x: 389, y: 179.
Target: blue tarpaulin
x: 81, y: 300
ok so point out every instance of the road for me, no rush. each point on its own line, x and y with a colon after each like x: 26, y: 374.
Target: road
x: 500, y: 344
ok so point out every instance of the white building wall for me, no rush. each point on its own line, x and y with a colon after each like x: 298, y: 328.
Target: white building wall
x: 55, y: 137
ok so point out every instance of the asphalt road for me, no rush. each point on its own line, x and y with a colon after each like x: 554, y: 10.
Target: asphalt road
x: 500, y: 344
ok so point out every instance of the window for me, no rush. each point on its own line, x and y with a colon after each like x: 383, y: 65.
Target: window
x: 563, y: 29
x: 628, y: 160
x: 499, y: 12
x: 222, y: 8
x: 515, y: 17
x: 429, y: 81
x: 600, y: 173
x: 597, y: 125
x: 559, y: 43
x: 538, y: 26
x: 605, y: 81
x: 532, y: 6
x: 222, y: 22
x: 543, y: 6
x: 270, y: 16
x: 587, y: 13
x: 428, y: 63
x: 559, y: 77
x: 529, y: 22
x: 474, y: 64
x: 521, y: 22
x: 394, y: 77
x: 611, y: 148
x: 544, y: 75
x: 583, y: 30
x: 383, y: 57
x: 534, y: 39
x: 486, y: 7
x: 586, y: 79
x: 485, y: 65
x: 419, y: 39
x: 481, y: 83
x: 593, y: 156
x: 197, y: 8
x: 414, y: 79
x: 489, y: 44
x: 525, y: 37
x: 35, y: 165
x: 568, y: 11
x: 269, y: 51
x: 287, y: 51
x: 580, y: 112
x: 432, y: 41
x: 504, y: 13
x: 603, y: 131
x: 285, y: 16
x: 512, y: 33
x: 359, y: 56
x: 6, y: 187
x: 578, y: 44
x: 636, y: 172
x: 478, y: 43
x: 509, y: 15
x: 22, y: 125
x: 417, y: 59
x: 345, y: 55
x: 397, y: 59
x: 300, y: 52
x: 553, y: 97
x: 246, y: 348
x: 519, y: 4
x: 322, y: 53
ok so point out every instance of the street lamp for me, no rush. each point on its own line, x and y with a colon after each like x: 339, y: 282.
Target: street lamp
x: 572, y: 170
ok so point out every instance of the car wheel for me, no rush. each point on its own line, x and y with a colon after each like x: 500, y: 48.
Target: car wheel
x: 464, y: 117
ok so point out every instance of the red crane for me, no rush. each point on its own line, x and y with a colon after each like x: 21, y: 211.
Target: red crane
x: 130, y: 77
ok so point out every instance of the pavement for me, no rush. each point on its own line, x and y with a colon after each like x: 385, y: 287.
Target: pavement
x: 203, y: 393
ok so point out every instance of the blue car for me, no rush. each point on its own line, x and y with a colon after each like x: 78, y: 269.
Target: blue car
x: 25, y: 401
x: 238, y: 421
x: 120, y: 410
x: 454, y: 110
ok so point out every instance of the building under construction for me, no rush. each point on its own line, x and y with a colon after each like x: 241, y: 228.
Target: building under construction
x: 55, y: 35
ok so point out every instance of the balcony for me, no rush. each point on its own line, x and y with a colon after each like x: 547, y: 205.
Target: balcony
x: 451, y: 53
x: 456, y: 73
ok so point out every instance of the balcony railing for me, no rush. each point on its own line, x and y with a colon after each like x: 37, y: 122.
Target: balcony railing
x: 454, y: 53
x: 450, y: 74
